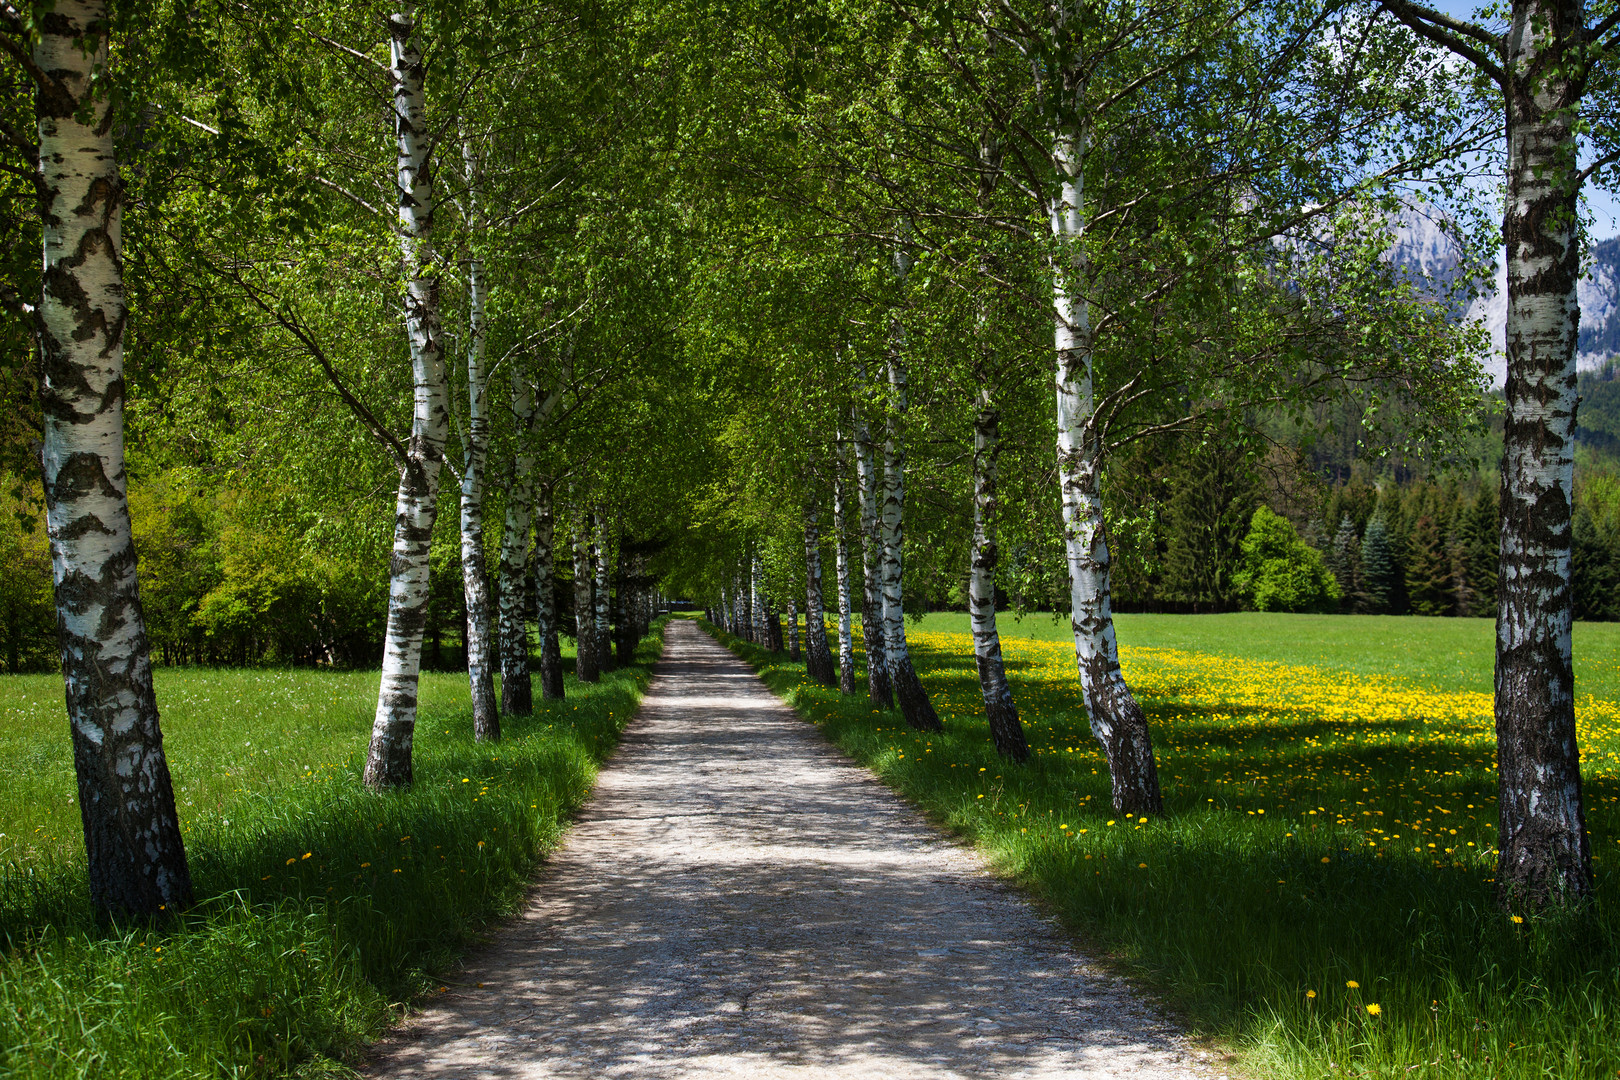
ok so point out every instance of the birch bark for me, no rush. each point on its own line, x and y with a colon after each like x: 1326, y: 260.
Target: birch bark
x: 602, y: 633
x: 793, y: 630
x: 137, y: 858
x: 475, y: 456
x: 877, y: 662
x: 908, y: 689
x: 624, y: 607
x: 773, y: 627
x: 545, y: 597
x: 846, y: 642
x: 756, y: 603
x: 1544, y: 852
x: 819, y: 662
x: 1006, y: 730
x: 1117, y: 720
x: 388, y: 761
x: 584, y: 611
x: 517, y: 686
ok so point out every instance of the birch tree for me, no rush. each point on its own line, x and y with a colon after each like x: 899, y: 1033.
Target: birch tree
x: 475, y: 457
x: 545, y: 591
x: 908, y: 689
x: 137, y: 860
x: 388, y: 761
x: 585, y: 666
x: 517, y: 691
x: 846, y: 642
x: 1549, y: 61
x: 873, y: 626
x: 818, y: 658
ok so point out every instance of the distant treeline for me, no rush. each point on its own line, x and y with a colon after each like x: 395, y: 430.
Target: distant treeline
x: 1187, y: 536
x: 237, y: 578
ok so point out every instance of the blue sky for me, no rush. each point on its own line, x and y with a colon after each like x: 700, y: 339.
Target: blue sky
x: 1602, y: 205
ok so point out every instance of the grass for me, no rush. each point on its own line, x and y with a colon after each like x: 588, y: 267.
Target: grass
x: 1442, y: 654
x: 1319, y: 893
x: 326, y: 905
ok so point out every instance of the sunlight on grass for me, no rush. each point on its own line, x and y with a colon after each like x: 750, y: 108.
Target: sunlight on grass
x: 1319, y: 890
x: 325, y: 905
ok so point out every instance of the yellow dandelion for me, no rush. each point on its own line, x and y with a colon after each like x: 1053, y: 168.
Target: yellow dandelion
x: 1310, y: 993
x: 1373, y: 1010
x: 1352, y: 984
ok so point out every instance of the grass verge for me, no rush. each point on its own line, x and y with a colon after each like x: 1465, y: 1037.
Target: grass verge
x: 327, y: 905
x: 1318, y: 894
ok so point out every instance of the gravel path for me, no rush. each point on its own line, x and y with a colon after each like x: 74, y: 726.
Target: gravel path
x: 738, y: 900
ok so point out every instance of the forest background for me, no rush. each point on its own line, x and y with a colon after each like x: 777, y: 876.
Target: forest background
x: 621, y: 187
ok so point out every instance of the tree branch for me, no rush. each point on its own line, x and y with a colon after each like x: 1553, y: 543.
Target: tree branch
x: 1444, y: 31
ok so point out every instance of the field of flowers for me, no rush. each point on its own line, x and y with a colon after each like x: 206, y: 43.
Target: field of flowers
x: 1318, y: 894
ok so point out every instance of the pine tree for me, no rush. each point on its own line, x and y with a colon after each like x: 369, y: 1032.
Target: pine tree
x: 1428, y: 571
x: 1476, y: 552
x: 1342, y: 556
x: 1596, y: 569
x: 1377, y: 568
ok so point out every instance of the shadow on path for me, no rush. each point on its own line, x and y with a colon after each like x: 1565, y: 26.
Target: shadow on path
x: 739, y: 900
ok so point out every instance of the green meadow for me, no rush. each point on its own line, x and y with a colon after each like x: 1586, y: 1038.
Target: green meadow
x: 324, y: 907
x: 1318, y: 897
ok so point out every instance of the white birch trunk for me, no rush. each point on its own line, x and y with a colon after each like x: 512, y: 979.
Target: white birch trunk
x: 877, y: 662
x: 137, y: 858
x: 545, y: 597
x: 585, y: 669
x: 517, y: 685
x: 756, y: 604
x: 908, y: 689
x: 818, y: 661
x: 388, y: 761
x: 1545, y: 855
x: 1117, y: 720
x: 793, y: 630
x: 603, y: 631
x: 1006, y: 730
x: 846, y: 640
x: 475, y: 457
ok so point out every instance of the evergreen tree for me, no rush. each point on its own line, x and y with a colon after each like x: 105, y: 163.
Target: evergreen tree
x: 1596, y: 569
x: 1342, y: 559
x: 1476, y: 554
x: 1378, y: 571
x: 1213, y: 497
x: 1428, y: 570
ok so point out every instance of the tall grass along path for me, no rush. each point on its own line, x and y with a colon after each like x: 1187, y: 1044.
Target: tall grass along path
x: 740, y: 900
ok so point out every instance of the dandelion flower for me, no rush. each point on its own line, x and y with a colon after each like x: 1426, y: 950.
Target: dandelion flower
x: 1518, y: 918
x: 1352, y: 984
x: 1310, y: 993
x: 1374, y: 1009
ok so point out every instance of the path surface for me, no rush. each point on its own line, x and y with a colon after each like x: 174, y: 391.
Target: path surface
x: 738, y: 900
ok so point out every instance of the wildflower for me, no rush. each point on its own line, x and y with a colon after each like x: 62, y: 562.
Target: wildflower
x: 1310, y: 993
x: 1374, y: 1009
x: 1352, y: 984
x: 1518, y: 919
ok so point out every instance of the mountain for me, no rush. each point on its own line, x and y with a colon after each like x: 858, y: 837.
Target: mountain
x: 1423, y: 249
